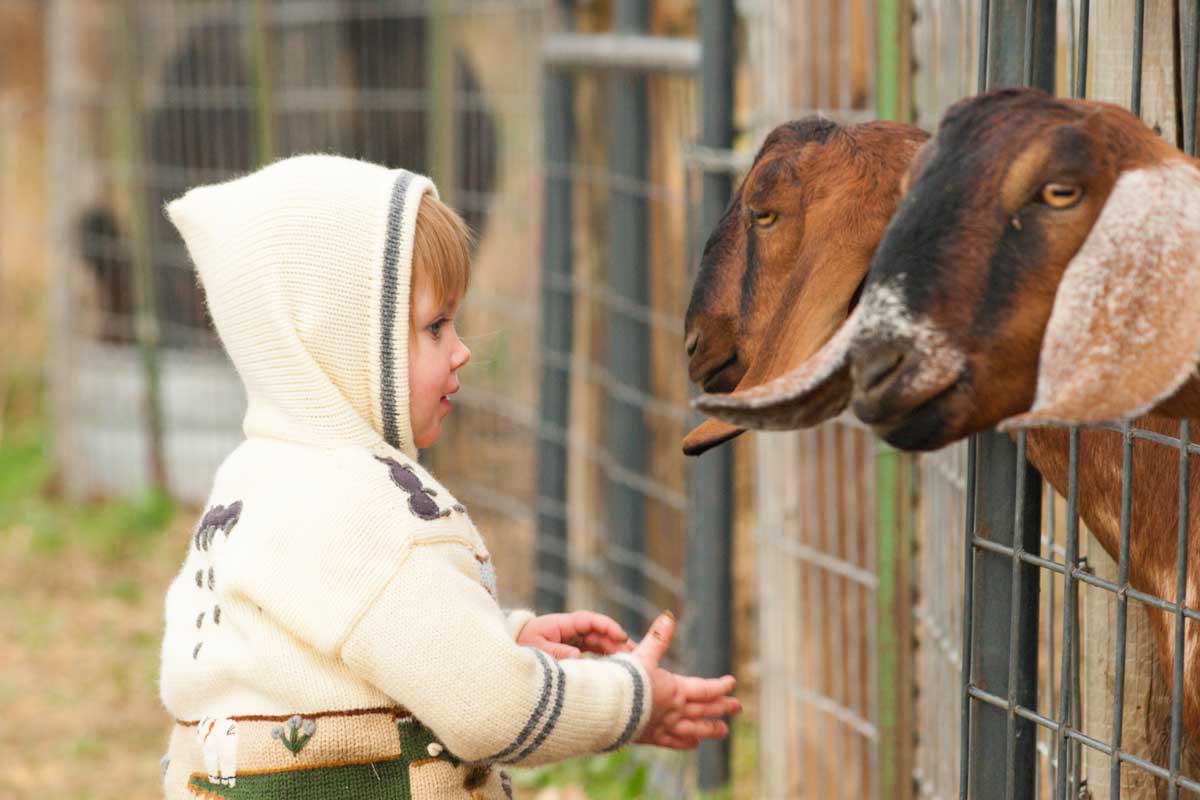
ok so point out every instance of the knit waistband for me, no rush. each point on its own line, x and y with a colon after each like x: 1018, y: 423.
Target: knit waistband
x: 268, y: 743
x: 396, y: 712
x: 383, y: 752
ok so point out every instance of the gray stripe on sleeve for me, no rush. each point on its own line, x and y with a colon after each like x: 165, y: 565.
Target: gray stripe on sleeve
x: 387, y: 312
x: 535, y: 718
x: 552, y: 721
x: 635, y: 715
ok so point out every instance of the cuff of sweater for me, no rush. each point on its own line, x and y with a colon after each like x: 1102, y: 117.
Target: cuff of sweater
x: 599, y: 705
x: 516, y: 620
x: 642, y: 700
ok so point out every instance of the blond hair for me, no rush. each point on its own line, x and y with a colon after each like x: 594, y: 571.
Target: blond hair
x: 441, y: 254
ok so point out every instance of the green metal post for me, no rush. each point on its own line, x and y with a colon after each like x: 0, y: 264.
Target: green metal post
x: 264, y: 110
x: 132, y: 156
x: 894, y: 481
x: 892, y: 67
x: 895, y: 504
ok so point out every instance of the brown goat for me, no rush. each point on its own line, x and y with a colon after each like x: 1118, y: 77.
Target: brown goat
x: 946, y: 339
x: 788, y: 258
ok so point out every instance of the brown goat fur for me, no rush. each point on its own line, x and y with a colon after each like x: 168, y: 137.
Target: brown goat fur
x: 1154, y: 516
x: 977, y: 254
x: 822, y: 361
x: 782, y: 268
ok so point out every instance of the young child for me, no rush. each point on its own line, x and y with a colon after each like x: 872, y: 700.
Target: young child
x: 334, y: 630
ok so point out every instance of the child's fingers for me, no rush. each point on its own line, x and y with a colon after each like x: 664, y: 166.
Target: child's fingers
x: 561, y: 651
x: 699, y: 729
x: 665, y: 739
x: 591, y: 622
x: 598, y: 643
x: 606, y: 645
x: 724, y: 707
x: 654, y: 645
x: 702, y: 689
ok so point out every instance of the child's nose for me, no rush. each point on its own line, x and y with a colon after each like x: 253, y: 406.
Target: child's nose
x: 463, y: 355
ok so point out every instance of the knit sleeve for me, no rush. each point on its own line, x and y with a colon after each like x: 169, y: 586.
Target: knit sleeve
x: 516, y: 620
x: 437, y: 643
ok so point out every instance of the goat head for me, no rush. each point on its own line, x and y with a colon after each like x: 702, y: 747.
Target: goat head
x: 782, y: 272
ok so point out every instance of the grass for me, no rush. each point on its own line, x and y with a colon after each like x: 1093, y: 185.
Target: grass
x: 82, y: 585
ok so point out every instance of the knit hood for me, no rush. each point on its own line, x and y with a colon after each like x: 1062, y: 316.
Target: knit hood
x: 306, y: 265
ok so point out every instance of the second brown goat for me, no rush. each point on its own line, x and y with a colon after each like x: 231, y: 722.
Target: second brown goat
x: 951, y: 250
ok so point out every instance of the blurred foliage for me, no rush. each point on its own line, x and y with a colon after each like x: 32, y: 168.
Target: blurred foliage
x: 110, y: 529
x: 613, y: 776
x: 82, y: 583
x: 627, y: 773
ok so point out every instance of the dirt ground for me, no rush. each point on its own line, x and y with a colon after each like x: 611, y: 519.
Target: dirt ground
x: 79, y: 642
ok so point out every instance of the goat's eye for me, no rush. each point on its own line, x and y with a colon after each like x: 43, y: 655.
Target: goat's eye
x: 765, y: 219
x: 1061, y: 195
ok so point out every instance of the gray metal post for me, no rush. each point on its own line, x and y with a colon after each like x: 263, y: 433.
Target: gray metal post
x: 1005, y: 591
x: 1008, y: 44
x: 628, y: 340
x: 557, y: 301
x: 995, y: 511
x: 710, y: 485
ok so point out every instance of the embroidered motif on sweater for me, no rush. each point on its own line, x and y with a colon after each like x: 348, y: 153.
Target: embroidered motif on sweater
x: 487, y: 574
x: 217, y: 518
x: 295, y: 733
x: 420, y: 499
x: 218, y: 742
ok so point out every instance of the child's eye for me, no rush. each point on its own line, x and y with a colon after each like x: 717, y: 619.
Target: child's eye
x: 436, y: 327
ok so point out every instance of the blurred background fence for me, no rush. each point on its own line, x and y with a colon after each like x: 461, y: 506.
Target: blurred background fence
x: 584, y: 181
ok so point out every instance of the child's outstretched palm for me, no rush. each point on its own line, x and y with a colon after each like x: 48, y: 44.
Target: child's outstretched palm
x: 685, y: 708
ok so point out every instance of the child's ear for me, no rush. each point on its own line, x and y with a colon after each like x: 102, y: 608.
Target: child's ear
x: 1124, y: 333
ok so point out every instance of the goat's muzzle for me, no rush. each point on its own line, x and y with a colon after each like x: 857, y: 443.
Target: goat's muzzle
x: 714, y: 363
x: 900, y: 397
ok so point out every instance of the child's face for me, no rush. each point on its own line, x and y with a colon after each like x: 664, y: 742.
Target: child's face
x: 434, y: 355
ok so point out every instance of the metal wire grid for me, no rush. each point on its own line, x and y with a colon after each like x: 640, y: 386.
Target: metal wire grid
x: 600, y: 563
x: 809, y: 57
x: 203, y: 122
x: 819, y: 612
x: 1061, y: 734
x: 938, y: 617
x: 944, y: 56
x: 816, y: 514
x: 221, y: 85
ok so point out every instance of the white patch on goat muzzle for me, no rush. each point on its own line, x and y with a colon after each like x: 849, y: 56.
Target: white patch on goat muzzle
x: 888, y: 319
x: 1124, y: 332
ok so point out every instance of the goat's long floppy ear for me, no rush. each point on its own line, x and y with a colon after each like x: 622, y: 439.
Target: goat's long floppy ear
x: 709, y: 434
x: 1124, y: 333
x: 785, y: 396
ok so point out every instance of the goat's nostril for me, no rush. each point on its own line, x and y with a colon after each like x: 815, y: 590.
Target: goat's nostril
x: 690, y: 343
x: 878, y: 366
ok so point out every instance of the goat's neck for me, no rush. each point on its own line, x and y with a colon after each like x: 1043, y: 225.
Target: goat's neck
x: 1154, y: 521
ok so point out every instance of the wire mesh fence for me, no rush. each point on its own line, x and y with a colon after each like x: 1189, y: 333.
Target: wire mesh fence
x: 1092, y: 743
x: 148, y: 99
x: 817, y: 539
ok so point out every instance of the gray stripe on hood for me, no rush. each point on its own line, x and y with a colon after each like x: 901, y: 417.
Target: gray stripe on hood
x: 387, y: 314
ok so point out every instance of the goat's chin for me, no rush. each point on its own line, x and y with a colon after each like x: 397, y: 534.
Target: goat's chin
x: 930, y: 425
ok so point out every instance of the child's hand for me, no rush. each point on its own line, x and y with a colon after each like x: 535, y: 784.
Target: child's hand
x: 685, y: 709
x: 567, y: 635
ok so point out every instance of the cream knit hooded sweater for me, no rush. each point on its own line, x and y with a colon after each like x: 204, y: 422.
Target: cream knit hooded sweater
x: 334, y: 589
